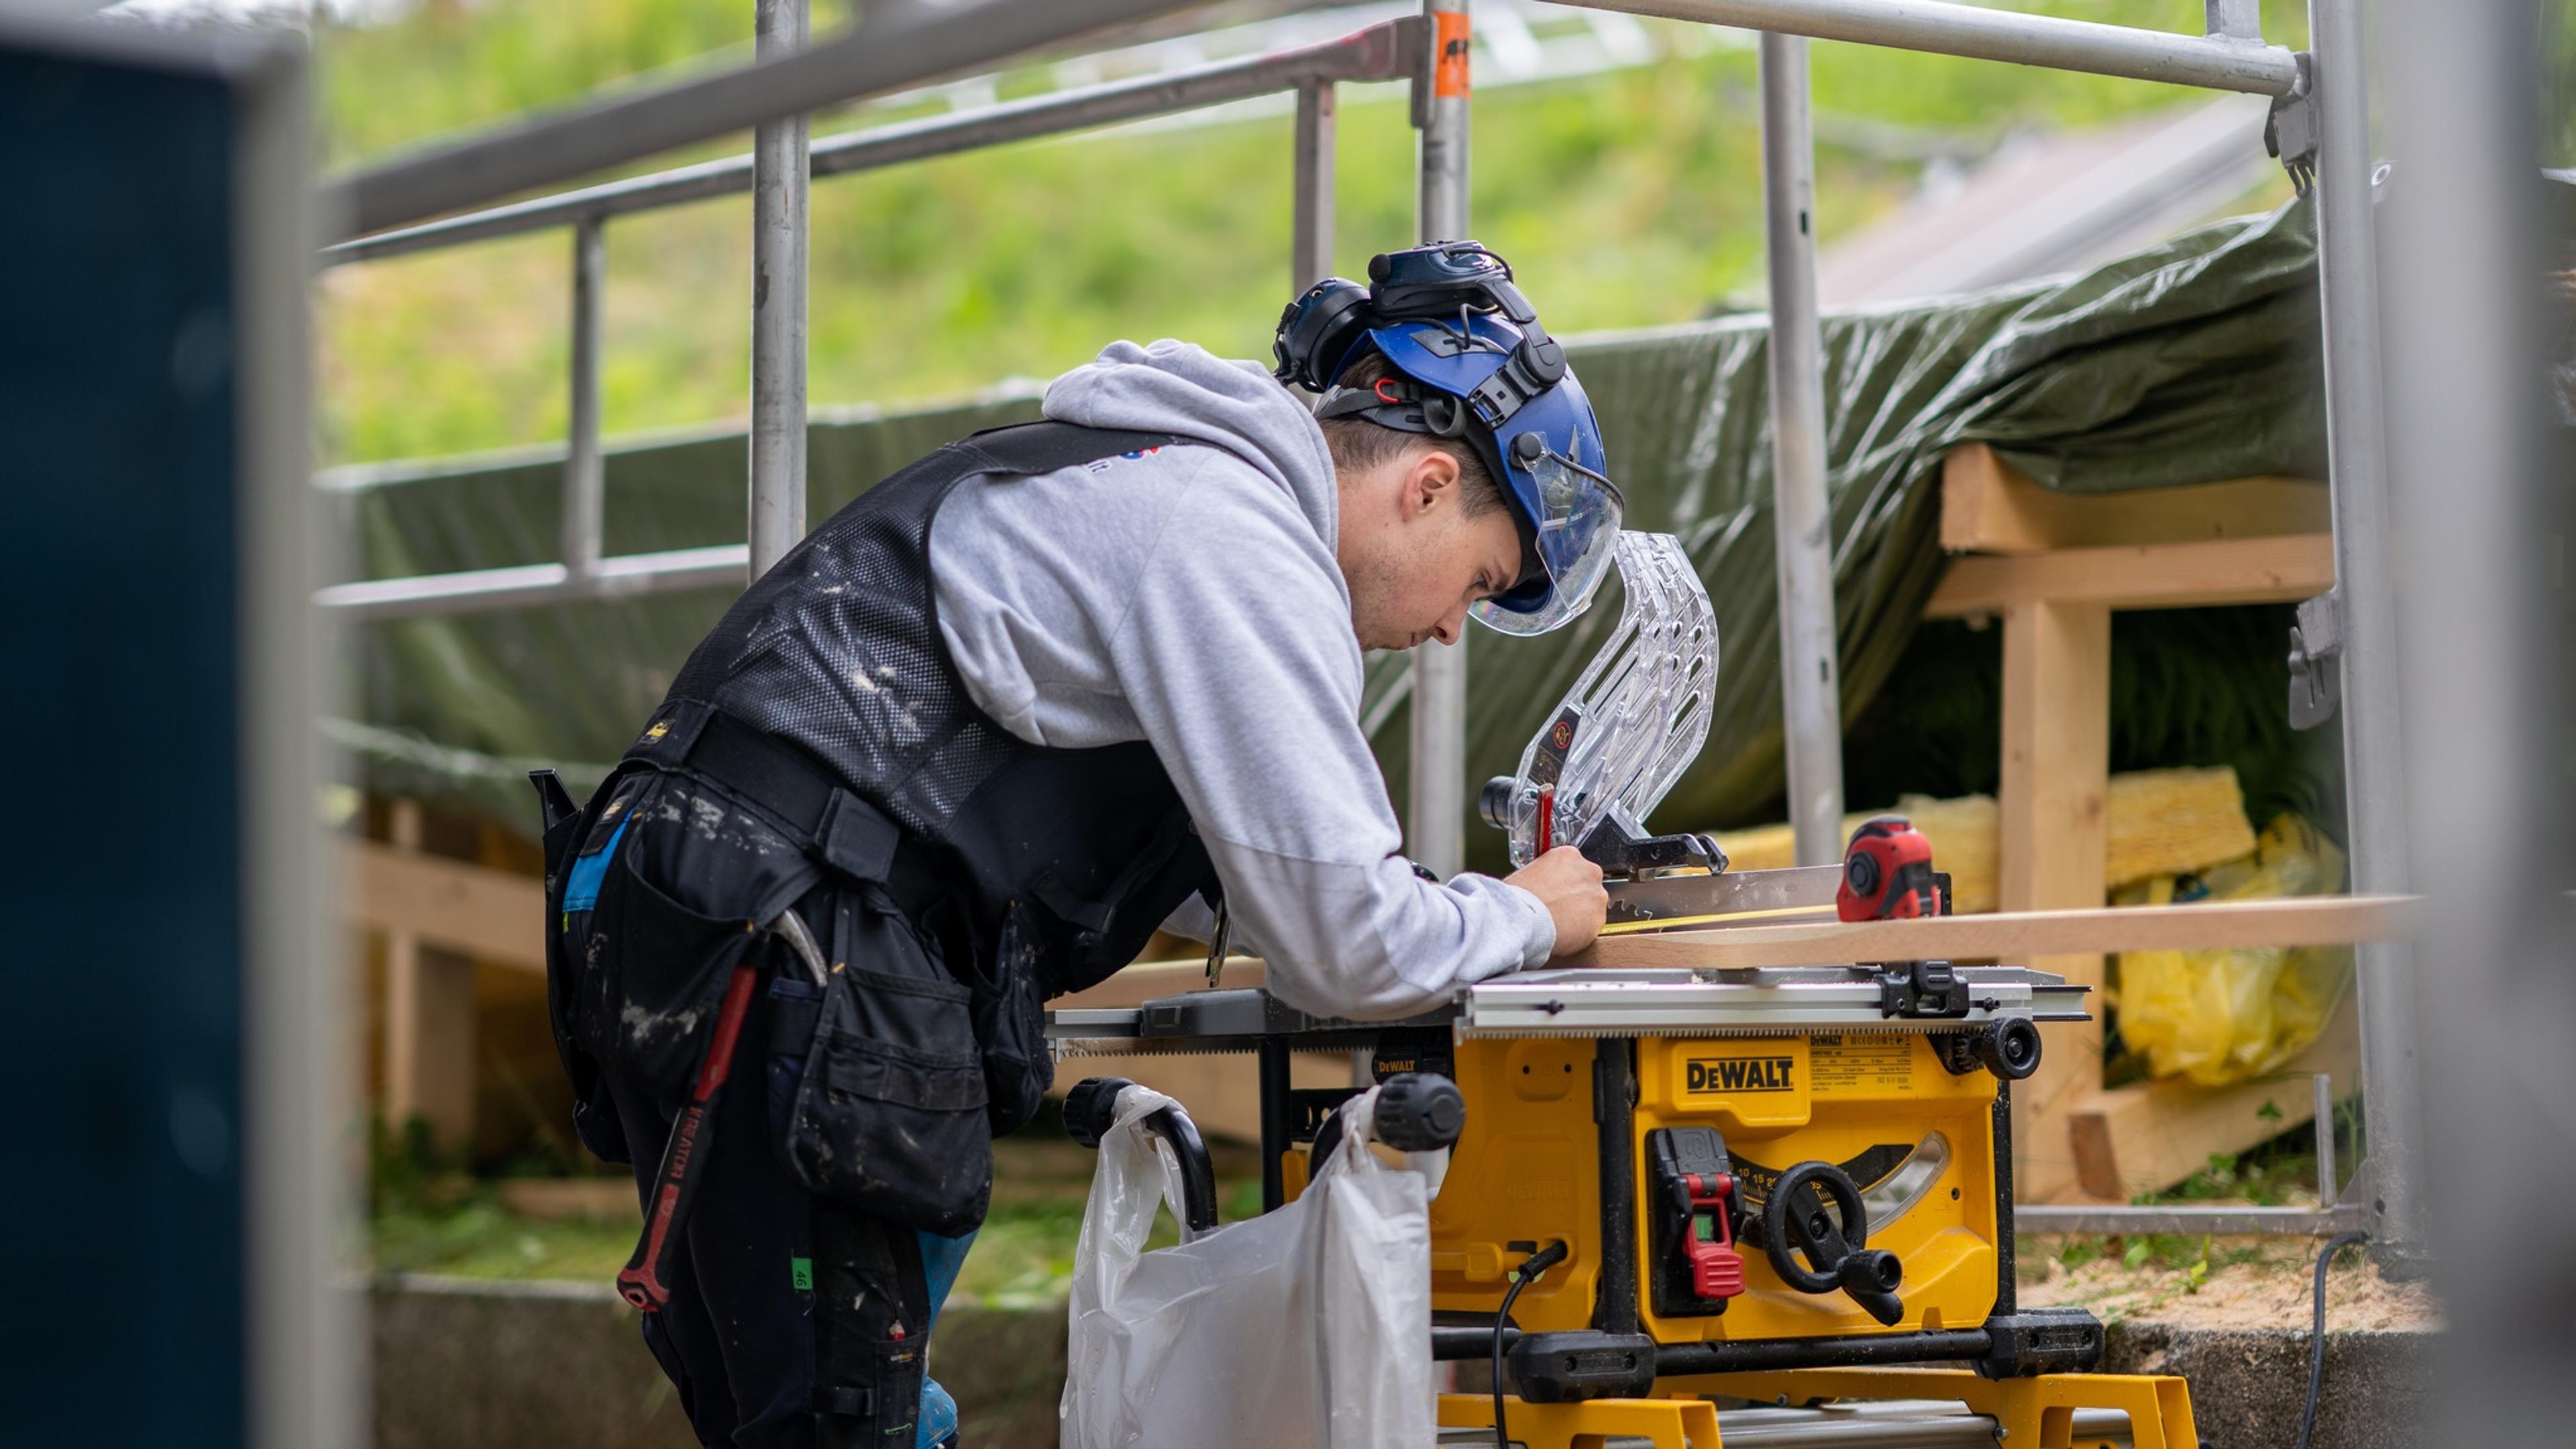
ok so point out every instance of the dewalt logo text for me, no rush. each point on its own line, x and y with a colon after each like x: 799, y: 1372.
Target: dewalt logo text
x: 1739, y: 1074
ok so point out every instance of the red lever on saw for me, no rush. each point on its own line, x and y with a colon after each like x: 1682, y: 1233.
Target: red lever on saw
x: 1716, y: 1268
x: 1887, y: 873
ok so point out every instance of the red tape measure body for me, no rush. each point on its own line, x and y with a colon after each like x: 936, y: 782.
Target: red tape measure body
x: 1887, y: 873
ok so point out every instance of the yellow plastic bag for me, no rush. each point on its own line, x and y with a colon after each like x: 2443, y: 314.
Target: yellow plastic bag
x: 2227, y: 1016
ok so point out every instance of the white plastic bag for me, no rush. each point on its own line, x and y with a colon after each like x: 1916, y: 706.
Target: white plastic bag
x: 1305, y: 1328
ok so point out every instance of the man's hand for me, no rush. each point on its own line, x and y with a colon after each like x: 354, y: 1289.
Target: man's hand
x: 1570, y: 887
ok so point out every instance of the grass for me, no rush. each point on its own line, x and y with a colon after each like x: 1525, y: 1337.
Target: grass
x: 467, y: 1232
x: 429, y: 1216
x: 1023, y: 1257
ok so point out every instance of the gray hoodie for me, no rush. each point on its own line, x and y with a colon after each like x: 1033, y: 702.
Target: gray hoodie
x: 1189, y: 597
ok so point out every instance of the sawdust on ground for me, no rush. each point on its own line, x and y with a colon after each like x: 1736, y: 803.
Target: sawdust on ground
x: 2271, y: 1288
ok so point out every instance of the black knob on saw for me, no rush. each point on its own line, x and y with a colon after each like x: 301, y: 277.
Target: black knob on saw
x: 1420, y: 1112
x: 1494, y: 802
x: 1871, y: 1271
x: 1795, y: 1223
x: 2009, y: 1047
x: 1091, y: 1107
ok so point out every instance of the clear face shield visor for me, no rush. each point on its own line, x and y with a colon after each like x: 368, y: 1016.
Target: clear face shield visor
x: 1578, y: 529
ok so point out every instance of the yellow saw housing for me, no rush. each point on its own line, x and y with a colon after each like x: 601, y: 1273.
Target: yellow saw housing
x: 1879, y: 1104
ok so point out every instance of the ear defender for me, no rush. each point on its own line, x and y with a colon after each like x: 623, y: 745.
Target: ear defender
x: 1318, y: 330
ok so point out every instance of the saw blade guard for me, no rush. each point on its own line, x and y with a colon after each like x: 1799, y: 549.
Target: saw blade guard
x: 1634, y: 720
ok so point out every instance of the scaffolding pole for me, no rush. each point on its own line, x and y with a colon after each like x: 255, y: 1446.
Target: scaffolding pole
x: 1801, y: 514
x: 1436, y: 824
x: 584, y: 479
x: 778, y: 232
x: 2481, y: 507
x: 1311, y: 250
x: 2365, y: 599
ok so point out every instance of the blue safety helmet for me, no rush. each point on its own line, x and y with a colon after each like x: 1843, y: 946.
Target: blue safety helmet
x: 1470, y: 361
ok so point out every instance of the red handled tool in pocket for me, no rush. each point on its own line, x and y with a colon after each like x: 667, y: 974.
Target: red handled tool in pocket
x: 646, y: 1279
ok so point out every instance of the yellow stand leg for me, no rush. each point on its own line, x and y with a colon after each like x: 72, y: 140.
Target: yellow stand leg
x: 2033, y: 1413
x: 1668, y: 1423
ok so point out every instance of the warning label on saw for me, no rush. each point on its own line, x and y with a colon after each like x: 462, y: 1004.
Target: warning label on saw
x: 1872, y: 1063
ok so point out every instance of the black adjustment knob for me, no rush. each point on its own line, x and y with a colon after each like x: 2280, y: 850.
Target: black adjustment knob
x: 1420, y: 1112
x: 1837, y: 1257
x: 1871, y: 1277
x: 2009, y: 1047
x: 1494, y: 802
x: 1091, y: 1107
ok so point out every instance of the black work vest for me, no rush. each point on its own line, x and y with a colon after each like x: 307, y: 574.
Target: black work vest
x: 836, y: 653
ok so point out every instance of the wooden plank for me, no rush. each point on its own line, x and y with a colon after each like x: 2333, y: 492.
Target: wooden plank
x: 2148, y: 1136
x: 429, y: 1018
x: 1221, y: 1090
x: 2201, y: 926
x: 2142, y: 576
x: 492, y: 914
x: 1148, y: 980
x: 2054, y: 824
x: 1989, y: 506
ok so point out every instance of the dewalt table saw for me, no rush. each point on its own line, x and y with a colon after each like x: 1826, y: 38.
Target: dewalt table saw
x: 1776, y: 1186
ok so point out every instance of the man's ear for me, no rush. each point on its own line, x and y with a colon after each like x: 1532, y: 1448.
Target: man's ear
x: 1430, y: 483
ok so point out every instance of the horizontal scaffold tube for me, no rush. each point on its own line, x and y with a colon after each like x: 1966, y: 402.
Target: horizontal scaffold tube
x: 1381, y: 52
x: 627, y: 576
x: 892, y: 47
x: 2216, y: 63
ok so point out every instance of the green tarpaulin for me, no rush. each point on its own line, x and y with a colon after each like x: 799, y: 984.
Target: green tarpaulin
x: 2197, y: 360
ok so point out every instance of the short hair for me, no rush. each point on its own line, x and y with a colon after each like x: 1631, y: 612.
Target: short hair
x: 1358, y: 444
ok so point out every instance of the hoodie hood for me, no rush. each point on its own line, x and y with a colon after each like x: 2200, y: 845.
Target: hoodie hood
x: 1179, y: 387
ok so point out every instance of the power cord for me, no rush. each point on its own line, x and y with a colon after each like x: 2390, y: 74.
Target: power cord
x: 1522, y: 1276
x: 2317, y: 1335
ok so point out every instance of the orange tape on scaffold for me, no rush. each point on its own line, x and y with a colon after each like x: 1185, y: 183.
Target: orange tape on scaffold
x: 1449, y: 68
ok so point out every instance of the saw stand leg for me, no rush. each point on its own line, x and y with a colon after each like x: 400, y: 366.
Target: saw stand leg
x: 2032, y: 1413
x: 1667, y: 1423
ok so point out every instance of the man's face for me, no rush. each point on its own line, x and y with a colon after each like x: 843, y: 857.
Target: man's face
x: 1413, y: 558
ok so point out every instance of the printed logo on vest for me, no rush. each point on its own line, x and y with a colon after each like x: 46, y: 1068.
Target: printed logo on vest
x: 1103, y: 465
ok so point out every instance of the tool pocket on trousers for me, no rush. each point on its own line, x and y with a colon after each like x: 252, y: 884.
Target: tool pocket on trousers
x: 655, y: 972
x: 1010, y: 1027
x: 888, y: 1111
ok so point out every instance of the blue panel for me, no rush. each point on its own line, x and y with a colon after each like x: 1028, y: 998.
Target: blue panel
x: 119, y: 872
x: 581, y: 884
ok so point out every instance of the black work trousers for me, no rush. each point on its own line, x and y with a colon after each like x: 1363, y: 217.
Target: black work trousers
x: 794, y: 1320
x: 740, y: 1336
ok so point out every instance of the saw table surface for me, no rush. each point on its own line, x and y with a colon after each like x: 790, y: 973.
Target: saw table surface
x: 1577, y: 1001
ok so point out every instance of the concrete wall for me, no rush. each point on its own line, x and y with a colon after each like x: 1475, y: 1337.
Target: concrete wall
x: 2248, y: 1385
x: 559, y: 1366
